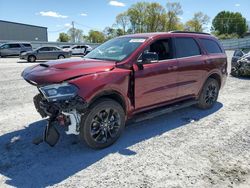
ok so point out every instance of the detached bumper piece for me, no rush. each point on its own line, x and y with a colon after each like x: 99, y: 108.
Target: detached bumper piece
x: 59, y: 113
x: 51, y: 134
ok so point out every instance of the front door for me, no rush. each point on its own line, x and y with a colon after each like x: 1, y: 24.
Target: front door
x: 155, y: 83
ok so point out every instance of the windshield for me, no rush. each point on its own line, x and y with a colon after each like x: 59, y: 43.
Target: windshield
x: 116, y: 49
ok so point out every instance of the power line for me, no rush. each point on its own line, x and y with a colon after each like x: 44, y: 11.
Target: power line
x: 56, y: 31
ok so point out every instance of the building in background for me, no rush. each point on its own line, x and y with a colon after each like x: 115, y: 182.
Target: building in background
x: 11, y: 31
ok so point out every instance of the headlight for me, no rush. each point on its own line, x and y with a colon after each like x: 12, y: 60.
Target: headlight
x: 56, y: 92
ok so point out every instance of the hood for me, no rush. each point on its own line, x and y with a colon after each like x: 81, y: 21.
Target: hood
x: 61, y: 70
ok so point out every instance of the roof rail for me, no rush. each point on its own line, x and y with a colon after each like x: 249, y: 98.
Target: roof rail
x: 190, y: 32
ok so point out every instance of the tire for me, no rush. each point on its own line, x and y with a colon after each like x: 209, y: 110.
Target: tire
x: 102, y: 124
x: 61, y: 57
x: 31, y: 58
x: 209, y: 94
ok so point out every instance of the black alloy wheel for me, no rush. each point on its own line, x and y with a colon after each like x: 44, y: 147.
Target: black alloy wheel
x: 209, y: 94
x: 103, y: 124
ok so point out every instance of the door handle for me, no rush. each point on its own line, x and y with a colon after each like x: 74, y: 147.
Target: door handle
x: 208, y: 61
x: 172, y: 68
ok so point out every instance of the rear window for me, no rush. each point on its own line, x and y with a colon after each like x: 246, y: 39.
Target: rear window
x: 27, y: 45
x: 14, y: 45
x: 211, y: 46
x: 186, y: 47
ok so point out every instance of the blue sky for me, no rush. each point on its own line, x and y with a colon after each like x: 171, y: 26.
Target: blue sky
x: 97, y: 14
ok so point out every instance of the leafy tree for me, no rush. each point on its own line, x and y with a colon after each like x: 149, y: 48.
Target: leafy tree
x: 197, y: 23
x: 173, y: 11
x: 119, y: 32
x: 123, y: 21
x: 76, y: 35
x: 109, y: 33
x: 63, y: 37
x: 155, y: 17
x: 227, y: 22
x: 136, y: 14
x: 96, y: 36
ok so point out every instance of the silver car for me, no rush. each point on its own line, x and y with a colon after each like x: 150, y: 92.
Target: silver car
x: 13, y: 49
x: 45, y: 53
x: 79, y: 49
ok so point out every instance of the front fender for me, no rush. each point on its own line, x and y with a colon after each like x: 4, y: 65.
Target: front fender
x: 94, y: 85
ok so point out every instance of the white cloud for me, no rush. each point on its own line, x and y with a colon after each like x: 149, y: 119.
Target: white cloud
x: 84, y: 14
x: 237, y: 5
x: 116, y: 3
x: 52, y: 14
x: 68, y: 25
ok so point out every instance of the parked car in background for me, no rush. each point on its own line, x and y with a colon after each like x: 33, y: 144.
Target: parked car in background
x: 45, y: 53
x: 240, y: 65
x: 14, y: 48
x: 152, y: 72
x: 238, y: 54
x: 79, y: 49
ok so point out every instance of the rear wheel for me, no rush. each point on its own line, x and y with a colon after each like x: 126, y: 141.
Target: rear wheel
x: 103, y: 124
x: 61, y: 57
x: 31, y: 58
x: 209, y: 94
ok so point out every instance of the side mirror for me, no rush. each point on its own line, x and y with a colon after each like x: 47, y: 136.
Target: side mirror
x: 149, y: 57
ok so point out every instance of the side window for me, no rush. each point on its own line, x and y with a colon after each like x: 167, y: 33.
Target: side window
x: 5, y: 46
x: 44, y: 49
x: 211, y: 46
x: 14, y: 45
x: 54, y: 49
x: 27, y: 45
x: 186, y: 47
x: 163, y: 48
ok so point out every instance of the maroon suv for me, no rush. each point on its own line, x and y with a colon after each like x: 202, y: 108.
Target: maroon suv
x: 125, y: 76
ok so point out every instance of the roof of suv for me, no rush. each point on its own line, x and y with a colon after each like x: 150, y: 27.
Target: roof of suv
x: 150, y: 35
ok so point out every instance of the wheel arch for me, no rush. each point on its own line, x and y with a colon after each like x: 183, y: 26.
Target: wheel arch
x: 114, y: 95
x: 215, y: 76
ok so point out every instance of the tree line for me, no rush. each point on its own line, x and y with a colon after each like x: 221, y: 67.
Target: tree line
x: 153, y: 17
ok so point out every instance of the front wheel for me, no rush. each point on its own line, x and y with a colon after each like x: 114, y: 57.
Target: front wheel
x: 31, y: 58
x: 61, y: 57
x: 209, y: 94
x: 102, y: 124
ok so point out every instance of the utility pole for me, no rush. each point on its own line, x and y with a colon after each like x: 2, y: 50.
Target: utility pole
x: 73, y: 32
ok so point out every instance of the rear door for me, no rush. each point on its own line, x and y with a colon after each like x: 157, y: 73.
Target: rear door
x: 14, y: 49
x: 76, y: 50
x: 54, y: 52
x: 191, y: 66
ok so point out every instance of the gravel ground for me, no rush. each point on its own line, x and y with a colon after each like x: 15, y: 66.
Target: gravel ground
x: 186, y: 148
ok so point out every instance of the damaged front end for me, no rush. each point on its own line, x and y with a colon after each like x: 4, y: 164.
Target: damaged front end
x: 63, y: 106
x: 241, y: 67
